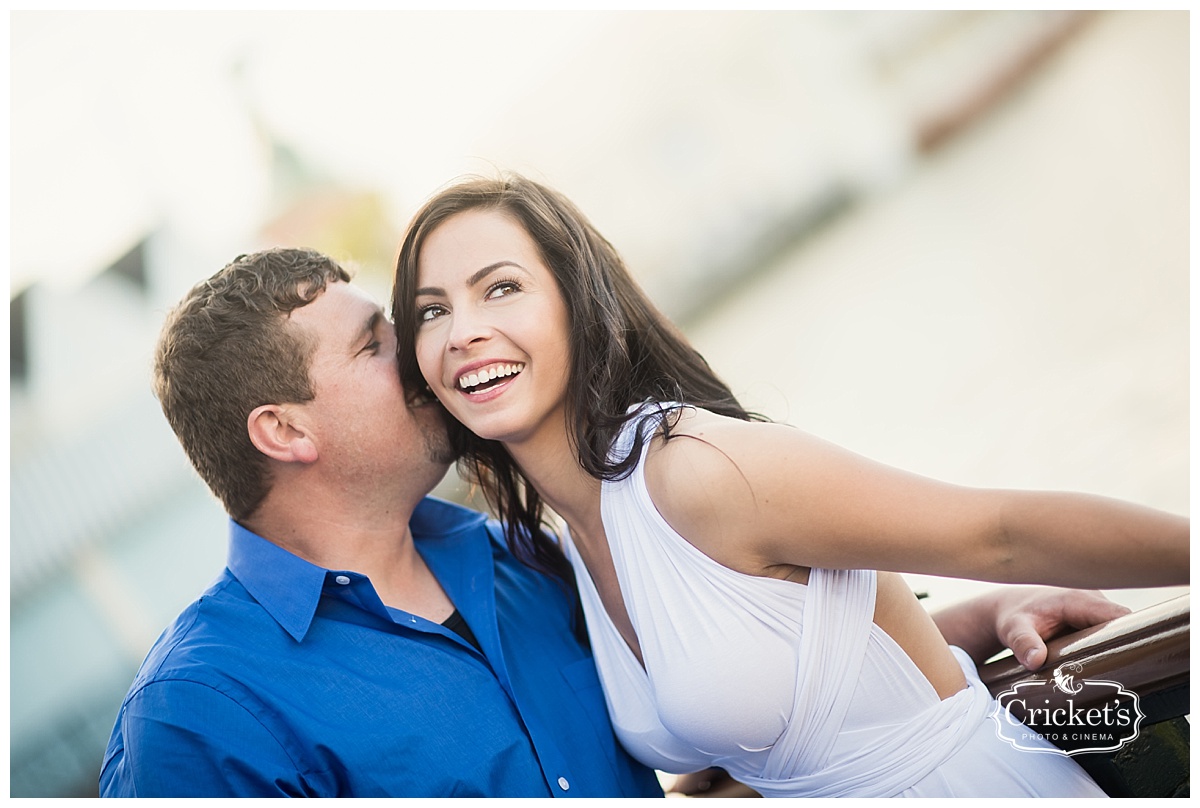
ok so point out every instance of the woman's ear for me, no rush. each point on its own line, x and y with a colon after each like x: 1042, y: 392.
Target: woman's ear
x: 276, y: 431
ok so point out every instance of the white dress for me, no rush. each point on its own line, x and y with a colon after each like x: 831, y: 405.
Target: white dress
x: 791, y: 688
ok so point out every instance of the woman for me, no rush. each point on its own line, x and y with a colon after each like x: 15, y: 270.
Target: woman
x: 727, y: 565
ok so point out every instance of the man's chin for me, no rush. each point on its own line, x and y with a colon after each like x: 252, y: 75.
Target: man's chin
x: 432, y: 416
x: 440, y: 452
x: 422, y: 398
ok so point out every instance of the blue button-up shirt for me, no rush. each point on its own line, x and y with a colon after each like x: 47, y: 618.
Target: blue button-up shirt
x: 285, y: 678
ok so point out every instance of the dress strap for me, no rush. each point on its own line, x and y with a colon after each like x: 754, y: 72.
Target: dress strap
x: 838, y: 612
x: 838, y: 619
x: 641, y: 422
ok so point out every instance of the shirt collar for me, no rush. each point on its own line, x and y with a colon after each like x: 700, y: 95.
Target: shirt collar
x: 435, y: 518
x: 289, y: 588
x: 283, y: 583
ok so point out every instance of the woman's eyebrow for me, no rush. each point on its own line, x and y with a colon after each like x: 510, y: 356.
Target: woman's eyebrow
x: 475, y: 278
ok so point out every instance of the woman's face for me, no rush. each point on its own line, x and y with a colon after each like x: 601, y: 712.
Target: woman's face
x: 492, y: 327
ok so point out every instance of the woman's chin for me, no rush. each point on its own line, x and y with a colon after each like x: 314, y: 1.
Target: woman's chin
x: 481, y: 427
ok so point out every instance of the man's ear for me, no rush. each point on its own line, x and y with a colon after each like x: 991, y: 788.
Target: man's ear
x: 276, y: 431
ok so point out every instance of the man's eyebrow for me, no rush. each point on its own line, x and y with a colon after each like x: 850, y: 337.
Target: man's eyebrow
x: 475, y: 278
x: 368, y: 329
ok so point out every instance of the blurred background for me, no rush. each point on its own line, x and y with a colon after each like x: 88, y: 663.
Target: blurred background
x: 953, y: 241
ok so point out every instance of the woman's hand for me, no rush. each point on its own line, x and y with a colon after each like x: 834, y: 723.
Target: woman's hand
x: 710, y: 783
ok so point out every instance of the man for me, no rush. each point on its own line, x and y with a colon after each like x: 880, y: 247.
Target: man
x: 365, y: 640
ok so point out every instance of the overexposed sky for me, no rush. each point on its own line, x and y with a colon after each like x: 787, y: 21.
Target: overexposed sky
x: 122, y: 118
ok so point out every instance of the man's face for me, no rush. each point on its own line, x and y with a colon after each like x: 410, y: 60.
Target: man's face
x: 363, y: 426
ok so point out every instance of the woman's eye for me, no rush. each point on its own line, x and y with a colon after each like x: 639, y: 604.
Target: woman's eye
x: 372, y: 346
x: 503, y: 289
x: 429, y: 313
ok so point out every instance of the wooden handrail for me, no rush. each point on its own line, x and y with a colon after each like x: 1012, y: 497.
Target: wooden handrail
x: 1146, y: 652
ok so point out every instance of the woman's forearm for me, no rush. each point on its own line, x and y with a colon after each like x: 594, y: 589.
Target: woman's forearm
x: 1082, y: 540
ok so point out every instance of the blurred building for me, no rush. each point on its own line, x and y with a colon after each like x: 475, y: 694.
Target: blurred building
x: 713, y: 150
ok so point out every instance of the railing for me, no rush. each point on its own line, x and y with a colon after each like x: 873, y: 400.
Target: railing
x: 1146, y: 652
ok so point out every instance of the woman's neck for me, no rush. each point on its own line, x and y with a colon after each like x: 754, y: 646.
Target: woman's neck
x: 551, y: 466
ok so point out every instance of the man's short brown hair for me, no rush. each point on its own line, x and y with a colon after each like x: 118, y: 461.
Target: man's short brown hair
x: 226, y: 349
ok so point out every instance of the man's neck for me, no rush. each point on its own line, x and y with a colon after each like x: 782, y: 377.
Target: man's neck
x: 342, y: 532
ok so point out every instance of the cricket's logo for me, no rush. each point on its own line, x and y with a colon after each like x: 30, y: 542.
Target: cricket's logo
x: 1075, y: 715
x: 1065, y: 681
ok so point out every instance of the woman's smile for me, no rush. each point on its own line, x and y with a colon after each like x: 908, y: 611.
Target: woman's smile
x: 484, y: 382
x: 477, y: 380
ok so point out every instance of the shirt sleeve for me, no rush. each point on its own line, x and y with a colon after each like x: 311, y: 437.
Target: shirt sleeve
x: 187, y: 739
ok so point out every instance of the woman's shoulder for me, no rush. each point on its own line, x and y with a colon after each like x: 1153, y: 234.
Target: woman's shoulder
x: 728, y: 436
x: 694, y: 476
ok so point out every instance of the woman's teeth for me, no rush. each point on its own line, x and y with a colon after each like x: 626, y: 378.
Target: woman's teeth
x: 489, y: 374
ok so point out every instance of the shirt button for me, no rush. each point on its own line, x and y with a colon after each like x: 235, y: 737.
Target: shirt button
x: 342, y: 579
x: 563, y: 784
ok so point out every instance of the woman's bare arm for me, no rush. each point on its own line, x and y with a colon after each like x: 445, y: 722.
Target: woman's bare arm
x: 757, y: 495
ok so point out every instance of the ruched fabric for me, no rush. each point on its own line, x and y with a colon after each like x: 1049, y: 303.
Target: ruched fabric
x: 790, y: 687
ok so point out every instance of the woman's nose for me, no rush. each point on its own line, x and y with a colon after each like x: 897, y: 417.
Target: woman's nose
x: 466, y: 329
